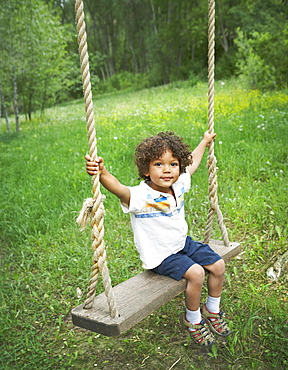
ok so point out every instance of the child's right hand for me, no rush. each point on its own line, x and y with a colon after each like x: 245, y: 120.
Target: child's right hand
x: 93, y: 167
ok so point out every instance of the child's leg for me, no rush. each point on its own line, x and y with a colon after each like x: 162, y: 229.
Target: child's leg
x: 215, y: 278
x: 211, y: 310
x: 195, y: 276
x: 199, y: 332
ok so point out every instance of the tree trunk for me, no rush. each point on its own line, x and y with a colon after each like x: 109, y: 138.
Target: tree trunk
x: 43, y: 104
x: 4, y: 109
x: 179, y: 58
x: 134, y: 57
x: 153, y: 17
x: 103, y: 74
x: 15, y: 103
x: 169, y: 12
x: 29, y: 111
x: 222, y: 37
x: 193, y: 51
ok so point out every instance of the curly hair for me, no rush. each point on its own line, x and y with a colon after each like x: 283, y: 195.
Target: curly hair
x: 155, y: 146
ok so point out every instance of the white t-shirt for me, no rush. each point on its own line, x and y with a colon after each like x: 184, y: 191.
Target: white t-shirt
x: 158, y: 221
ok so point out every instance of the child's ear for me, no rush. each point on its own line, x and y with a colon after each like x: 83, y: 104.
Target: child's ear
x: 147, y: 177
x: 147, y: 172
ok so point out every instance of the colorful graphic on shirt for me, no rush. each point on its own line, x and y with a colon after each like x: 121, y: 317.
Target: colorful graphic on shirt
x: 160, y: 207
x: 161, y: 204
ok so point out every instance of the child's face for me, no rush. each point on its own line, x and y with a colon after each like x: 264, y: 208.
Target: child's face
x: 163, y: 172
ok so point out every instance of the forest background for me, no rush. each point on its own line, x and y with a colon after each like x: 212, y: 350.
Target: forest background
x: 134, y: 44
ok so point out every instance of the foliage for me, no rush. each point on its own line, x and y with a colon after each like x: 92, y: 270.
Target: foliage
x: 262, y: 44
x: 258, y: 59
x: 166, y: 41
x: 134, y: 44
x: 33, y: 57
x: 44, y: 258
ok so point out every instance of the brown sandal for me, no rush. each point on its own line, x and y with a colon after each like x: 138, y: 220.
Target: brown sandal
x: 202, y: 335
x: 216, y: 322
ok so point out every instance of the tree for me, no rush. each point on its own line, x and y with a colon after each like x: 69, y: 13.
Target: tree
x: 262, y: 56
x: 32, y: 61
x: 159, y: 40
x: 3, y: 108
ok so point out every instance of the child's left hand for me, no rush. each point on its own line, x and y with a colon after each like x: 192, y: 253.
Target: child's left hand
x: 209, y: 137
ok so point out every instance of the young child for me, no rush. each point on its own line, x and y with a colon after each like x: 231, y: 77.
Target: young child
x: 156, y: 208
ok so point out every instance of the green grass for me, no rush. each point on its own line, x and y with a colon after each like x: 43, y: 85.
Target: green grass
x: 44, y: 258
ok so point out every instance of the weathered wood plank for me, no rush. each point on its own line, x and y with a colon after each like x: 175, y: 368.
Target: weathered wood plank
x: 137, y: 298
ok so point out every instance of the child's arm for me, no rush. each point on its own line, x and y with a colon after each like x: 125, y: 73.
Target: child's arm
x: 198, y: 152
x: 107, y: 180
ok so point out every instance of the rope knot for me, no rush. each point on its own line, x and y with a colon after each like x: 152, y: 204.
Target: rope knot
x: 86, y: 212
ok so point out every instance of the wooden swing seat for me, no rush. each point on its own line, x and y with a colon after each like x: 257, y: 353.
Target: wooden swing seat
x: 137, y: 298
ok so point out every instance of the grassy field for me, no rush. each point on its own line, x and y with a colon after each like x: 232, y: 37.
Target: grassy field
x: 45, y: 260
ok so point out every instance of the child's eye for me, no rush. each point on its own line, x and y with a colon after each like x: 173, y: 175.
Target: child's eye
x: 158, y: 164
x: 174, y: 164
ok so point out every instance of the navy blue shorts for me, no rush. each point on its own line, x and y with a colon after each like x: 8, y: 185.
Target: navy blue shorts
x: 193, y: 252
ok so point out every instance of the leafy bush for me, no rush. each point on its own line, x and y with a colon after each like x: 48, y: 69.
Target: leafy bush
x: 262, y: 58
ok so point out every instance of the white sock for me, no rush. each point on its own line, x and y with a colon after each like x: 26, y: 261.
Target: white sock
x: 213, y: 304
x: 194, y: 317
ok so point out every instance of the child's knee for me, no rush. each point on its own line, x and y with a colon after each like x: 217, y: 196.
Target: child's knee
x: 219, y: 267
x: 195, y: 273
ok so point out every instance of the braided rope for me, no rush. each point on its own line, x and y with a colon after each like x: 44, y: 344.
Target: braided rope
x: 97, y: 211
x: 211, y: 161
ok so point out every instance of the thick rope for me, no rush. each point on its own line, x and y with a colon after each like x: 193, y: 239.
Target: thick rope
x: 211, y: 161
x: 95, y: 205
